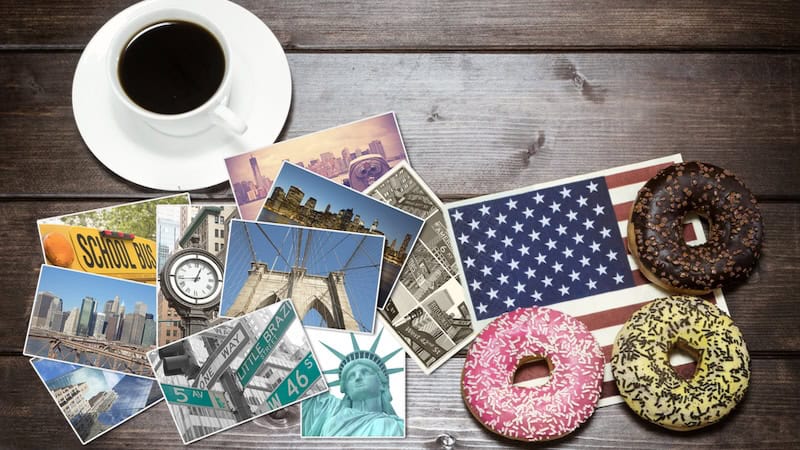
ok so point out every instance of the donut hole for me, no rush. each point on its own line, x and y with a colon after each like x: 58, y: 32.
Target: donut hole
x: 689, y: 236
x: 683, y: 358
x: 533, y: 371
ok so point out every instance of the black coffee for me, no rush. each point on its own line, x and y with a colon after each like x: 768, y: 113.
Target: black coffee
x: 171, y: 67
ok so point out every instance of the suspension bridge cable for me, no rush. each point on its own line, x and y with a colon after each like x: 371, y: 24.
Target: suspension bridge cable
x: 249, y: 242
x: 360, y: 243
x: 258, y: 226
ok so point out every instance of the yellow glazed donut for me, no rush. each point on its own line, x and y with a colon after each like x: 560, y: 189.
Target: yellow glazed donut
x: 649, y: 384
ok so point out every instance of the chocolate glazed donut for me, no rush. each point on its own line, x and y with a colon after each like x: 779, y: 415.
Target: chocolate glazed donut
x: 655, y: 228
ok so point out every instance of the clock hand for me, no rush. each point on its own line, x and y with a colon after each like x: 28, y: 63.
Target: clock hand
x: 197, y: 277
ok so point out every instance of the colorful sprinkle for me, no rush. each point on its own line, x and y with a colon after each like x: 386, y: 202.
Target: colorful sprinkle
x: 533, y: 413
x: 648, y: 383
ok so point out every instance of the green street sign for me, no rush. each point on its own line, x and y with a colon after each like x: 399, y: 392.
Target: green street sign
x: 295, y: 384
x: 265, y: 343
x: 181, y: 395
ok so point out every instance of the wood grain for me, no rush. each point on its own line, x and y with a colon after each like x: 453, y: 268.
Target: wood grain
x: 489, y: 96
x: 449, y: 25
x: 765, y: 307
x: 498, y: 120
x: 434, y: 407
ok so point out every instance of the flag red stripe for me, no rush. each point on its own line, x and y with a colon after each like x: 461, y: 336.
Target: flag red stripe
x: 622, y: 210
x: 638, y: 278
x: 609, y: 389
x: 618, y: 316
x: 688, y: 233
x: 634, y: 176
x: 607, y: 352
x: 609, y: 317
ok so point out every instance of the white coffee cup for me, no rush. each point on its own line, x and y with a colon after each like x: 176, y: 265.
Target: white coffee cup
x: 215, y: 110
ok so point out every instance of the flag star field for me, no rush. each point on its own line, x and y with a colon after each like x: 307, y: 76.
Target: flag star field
x: 540, y: 247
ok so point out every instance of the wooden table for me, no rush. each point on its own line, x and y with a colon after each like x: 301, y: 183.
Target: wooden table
x: 489, y: 97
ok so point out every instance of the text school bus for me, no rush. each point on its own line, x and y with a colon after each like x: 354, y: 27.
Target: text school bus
x: 104, y: 252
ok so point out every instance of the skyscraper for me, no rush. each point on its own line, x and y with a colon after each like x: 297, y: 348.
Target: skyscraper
x: 86, y: 317
x: 149, y: 334
x: 41, y: 308
x: 256, y: 172
x: 140, y: 308
x: 112, y: 325
x: 167, y: 237
x: 376, y: 148
x: 57, y: 323
x: 127, y: 328
x: 54, y: 315
x: 99, y: 326
x: 111, y: 306
x: 133, y: 394
x: 71, y: 323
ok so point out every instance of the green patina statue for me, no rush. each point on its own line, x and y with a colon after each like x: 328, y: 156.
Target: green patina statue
x: 366, y: 407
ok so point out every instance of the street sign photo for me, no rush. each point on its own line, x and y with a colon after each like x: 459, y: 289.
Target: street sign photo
x: 181, y: 395
x: 271, y: 336
x: 220, y: 359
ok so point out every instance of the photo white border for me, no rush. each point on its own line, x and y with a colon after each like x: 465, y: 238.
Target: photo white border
x: 157, y: 240
x: 348, y: 191
x: 50, y: 391
x: 268, y: 147
x: 281, y: 225
x: 46, y: 221
x: 457, y: 277
x: 30, y: 319
x: 404, y: 389
x: 228, y: 323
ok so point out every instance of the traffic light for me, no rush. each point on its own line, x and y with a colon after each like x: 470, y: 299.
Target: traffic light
x: 178, y: 359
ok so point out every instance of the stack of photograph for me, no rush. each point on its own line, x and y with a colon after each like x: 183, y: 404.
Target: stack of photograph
x: 302, y: 295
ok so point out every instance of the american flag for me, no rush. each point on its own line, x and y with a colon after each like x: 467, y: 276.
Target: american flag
x: 561, y: 245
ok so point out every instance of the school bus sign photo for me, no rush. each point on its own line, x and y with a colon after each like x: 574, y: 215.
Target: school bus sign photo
x: 104, y: 252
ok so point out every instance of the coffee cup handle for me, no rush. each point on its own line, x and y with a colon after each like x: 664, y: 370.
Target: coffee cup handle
x: 224, y: 117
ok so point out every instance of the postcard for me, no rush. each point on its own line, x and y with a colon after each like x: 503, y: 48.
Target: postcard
x: 237, y: 371
x: 331, y: 276
x: 562, y: 245
x: 95, y: 401
x: 92, y: 320
x: 354, y: 155
x: 117, y: 241
x: 301, y: 197
x: 428, y: 310
x: 191, y: 242
x: 367, y: 395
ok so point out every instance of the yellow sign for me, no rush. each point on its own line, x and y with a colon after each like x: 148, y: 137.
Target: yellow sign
x: 97, y: 251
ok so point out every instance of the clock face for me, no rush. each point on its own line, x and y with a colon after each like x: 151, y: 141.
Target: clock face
x: 196, y: 278
x: 193, y: 277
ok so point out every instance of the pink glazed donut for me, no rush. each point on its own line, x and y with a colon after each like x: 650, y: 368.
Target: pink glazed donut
x: 538, y: 413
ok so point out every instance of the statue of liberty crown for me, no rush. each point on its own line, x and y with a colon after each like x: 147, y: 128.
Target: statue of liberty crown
x: 359, y: 354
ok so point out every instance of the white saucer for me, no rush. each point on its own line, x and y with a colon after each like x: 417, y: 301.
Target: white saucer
x: 261, y: 95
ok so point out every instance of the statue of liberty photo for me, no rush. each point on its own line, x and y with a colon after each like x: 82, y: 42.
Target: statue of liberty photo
x: 365, y: 408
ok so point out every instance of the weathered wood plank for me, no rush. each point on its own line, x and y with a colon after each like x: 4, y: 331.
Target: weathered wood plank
x: 498, y: 121
x: 30, y: 419
x: 765, y: 307
x: 444, y: 24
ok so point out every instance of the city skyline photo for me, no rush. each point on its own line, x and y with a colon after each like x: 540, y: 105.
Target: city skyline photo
x: 301, y: 197
x: 328, y: 152
x: 72, y: 286
x: 393, y: 222
x: 92, y: 320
